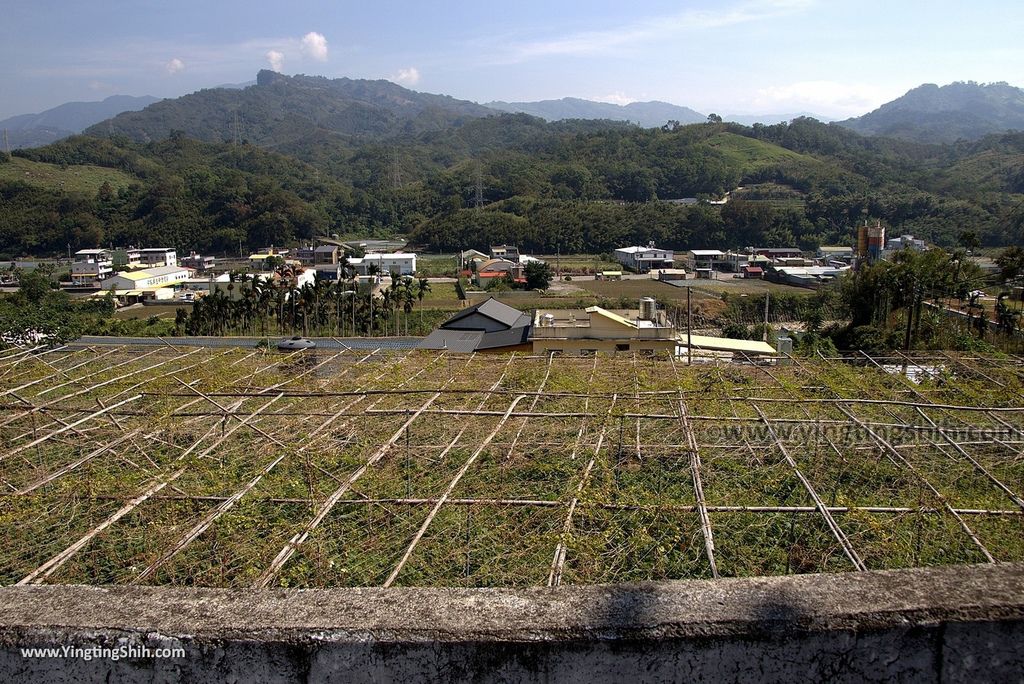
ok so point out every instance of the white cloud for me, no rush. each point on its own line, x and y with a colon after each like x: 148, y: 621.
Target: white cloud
x: 646, y: 30
x: 407, y: 77
x: 276, y: 59
x: 617, y: 97
x: 174, y: 66
x: 824, y: 97
x: 314, y: 45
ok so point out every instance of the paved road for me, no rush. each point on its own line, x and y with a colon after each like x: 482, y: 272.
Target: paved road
x: 221, y: 342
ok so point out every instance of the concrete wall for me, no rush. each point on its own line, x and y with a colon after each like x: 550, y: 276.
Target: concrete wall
x: 574, y: 347
x: 935, y: 625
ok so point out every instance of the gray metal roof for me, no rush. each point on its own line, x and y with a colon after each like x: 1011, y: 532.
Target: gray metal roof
x: 475, y: 340
x: 495, y: 310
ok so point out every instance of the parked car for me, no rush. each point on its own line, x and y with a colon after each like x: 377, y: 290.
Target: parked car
x: 296, y: 343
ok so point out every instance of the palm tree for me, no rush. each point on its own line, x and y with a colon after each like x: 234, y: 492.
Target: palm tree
x: 408, y: 300
x: 372, y: 270
x: 421, y: 291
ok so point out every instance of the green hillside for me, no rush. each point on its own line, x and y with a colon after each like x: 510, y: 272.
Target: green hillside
x: 77, y: 178
x: 575, y: 186
x: 751, y: 154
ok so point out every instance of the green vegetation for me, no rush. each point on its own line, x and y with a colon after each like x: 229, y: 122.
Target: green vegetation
x: 569, y: 187
x: 39, y: 313
x: 239, y: 452
x: 321, y: 308
x: 84, y: 178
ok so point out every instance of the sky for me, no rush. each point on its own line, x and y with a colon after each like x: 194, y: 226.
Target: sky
x: 835, y: 58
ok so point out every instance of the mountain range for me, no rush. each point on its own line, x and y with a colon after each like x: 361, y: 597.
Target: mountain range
x: 958, y: 111
x: 645, y: 114
x: 285, y: 112
x: 294, y: 157
x: 34, y: 130
x: 280, y: 109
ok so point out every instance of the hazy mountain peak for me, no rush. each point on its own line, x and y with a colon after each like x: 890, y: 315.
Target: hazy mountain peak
x: 646, y: 114
x: 961, y: 110
x: 42, y: 128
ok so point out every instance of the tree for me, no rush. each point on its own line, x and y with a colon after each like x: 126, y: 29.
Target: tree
x: 421, y: 291
x: 1007, y: 319
x: 969, y: 240
x: 1011, y: 263
x: 538, y: 275
x: 714, y: 118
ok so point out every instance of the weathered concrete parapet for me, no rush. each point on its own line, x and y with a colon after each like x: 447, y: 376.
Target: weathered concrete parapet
x: 941, y: 624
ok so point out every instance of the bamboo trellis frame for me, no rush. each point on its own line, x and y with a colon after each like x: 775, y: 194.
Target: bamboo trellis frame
x: 192, y: 426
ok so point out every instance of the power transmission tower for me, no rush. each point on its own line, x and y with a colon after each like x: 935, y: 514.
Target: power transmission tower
x: 7, y: 145
x: 396, y: 172
x: 478, y: 198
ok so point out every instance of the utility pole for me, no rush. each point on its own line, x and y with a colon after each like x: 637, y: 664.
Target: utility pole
x: 910, y: 322
x: 764, y: 335
x: 7, y: 145
x: 689, y: 326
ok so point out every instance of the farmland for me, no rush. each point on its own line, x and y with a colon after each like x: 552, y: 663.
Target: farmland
x: 248, y: 468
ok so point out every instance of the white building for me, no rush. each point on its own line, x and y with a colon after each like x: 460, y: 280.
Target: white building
x: 401, y: 263
x: 148, y: 283
x: 706, y: 259
x: 148, y: 278
x: 127, y: 258
x: 158, y: 256
x: 644, y: 259
x: 199, y: 262
x: 905, y: 242
x: 235, y: 289
x: 91, y: 266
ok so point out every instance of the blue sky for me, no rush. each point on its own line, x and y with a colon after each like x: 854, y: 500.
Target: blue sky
x: 837, y: 58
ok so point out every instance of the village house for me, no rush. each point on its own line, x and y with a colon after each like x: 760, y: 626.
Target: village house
x: 91, y: 266
x: 644, y: 259
x: 584, y: 332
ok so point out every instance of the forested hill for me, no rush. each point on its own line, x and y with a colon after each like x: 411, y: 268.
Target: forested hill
x: 583, y: 186
x: 280, y: 109
x: 958, y: 111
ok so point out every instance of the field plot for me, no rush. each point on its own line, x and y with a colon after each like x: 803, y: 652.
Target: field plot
x: 251, y: 468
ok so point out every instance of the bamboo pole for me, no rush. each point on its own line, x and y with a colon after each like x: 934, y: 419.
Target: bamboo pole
x: 447, y: 492
x: 900, y: 460
x: 47, y: 568
x: 212, y: 516
x: 70, y: 426
x: 837, y: 532
x: 562, y: 550
x: 285, y: 554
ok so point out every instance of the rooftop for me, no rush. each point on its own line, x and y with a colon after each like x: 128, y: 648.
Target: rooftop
x: 145, y: 273
x: 635, y: 249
